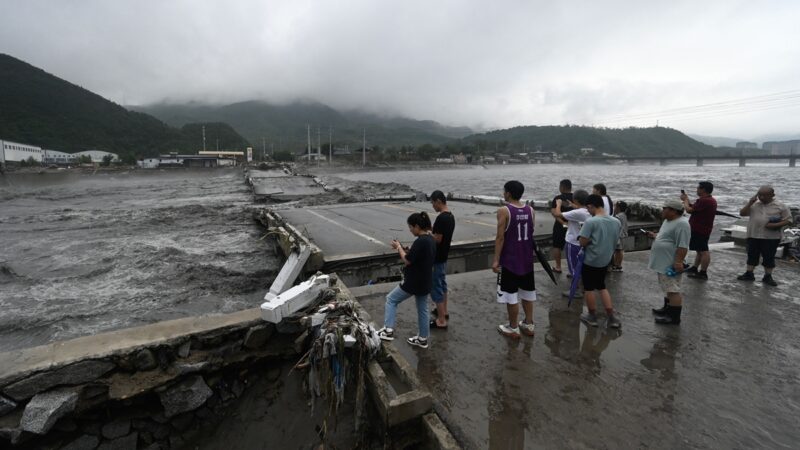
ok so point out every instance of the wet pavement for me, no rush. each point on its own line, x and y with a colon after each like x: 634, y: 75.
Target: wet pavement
x: 727, y: 377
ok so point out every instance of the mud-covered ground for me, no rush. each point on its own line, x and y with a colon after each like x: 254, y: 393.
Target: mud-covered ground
x: 83, y: 253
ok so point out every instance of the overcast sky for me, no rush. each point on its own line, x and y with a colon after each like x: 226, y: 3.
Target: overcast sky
x: 485, y: 64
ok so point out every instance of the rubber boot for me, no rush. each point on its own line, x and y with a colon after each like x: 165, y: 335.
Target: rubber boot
x: 664, y: 309
x: 673, y: 316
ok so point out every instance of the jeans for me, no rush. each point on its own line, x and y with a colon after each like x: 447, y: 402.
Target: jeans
x: 394, y: 298
x: 439, y: 287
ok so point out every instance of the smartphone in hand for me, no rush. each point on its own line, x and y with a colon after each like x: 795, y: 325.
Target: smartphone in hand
x: 683, y: 192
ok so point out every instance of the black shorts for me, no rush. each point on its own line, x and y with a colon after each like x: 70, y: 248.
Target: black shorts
x: 698, y: 243
x: 594, y: 278
x: 559, y: 235
x: 510, y: 282
x: 763, y: 248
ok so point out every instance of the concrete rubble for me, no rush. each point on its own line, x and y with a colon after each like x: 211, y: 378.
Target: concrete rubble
x: 44, y: 409
x: 185, y: 396
x: 77, y: 373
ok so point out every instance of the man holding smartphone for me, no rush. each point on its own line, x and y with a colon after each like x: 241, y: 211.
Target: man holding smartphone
x: 767, y: 218
x: 703, y: 211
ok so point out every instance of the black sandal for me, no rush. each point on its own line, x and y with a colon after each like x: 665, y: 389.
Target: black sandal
x: 433, y: 325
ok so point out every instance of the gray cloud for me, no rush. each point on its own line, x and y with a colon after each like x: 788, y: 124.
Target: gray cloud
x: 487, y: 64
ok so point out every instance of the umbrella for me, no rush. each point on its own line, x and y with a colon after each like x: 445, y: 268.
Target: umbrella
x: 545, y: 264
x: 576, y: 276
x: 721, y: 213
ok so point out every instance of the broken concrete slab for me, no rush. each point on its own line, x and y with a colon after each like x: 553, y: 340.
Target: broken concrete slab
x: 44, y: 410
x: 80, y: 372
x: 187, y: 395
x: 294, y: 299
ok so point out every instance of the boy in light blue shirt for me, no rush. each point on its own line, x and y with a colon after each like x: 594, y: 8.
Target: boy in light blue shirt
x: 598, y: 237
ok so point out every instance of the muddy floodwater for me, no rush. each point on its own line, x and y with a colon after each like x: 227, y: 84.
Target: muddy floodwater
x: 83, y: 253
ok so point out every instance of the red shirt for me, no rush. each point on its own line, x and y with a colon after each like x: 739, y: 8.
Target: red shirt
x: 702, y: 218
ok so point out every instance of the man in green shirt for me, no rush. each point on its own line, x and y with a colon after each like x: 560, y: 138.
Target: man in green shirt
x: 666, y: 258
x: 598, y: 237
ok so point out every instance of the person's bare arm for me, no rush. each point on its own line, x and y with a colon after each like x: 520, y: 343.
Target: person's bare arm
x: 746, y: 210
x: 584, y: 241
x: 502, y: 222
x: 680, y: 255
x: 401, y: 251
x: 687, y: 206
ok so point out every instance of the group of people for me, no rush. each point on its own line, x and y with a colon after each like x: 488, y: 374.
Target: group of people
x: 590, y: 231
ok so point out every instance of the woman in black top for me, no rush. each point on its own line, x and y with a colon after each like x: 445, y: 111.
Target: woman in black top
x: 417, y: 280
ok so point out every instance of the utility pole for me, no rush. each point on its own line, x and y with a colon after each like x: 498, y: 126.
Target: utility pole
x: 319, y: 146
x: 204, y: 138
x: 364, y: 150
x: 330, y: 146
x: 263, y: 148
x: 308, y: 129
x: 217, y: 144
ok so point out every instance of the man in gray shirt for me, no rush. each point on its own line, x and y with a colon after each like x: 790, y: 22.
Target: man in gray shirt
x: 666, y: 258
x: 767, y: 218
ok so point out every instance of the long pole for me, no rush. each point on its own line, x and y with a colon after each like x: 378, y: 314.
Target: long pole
x: 364, y: 150
x: 204, y: 138
x: 330, y: 146
x: 308, y: 129
x: 319, y: 146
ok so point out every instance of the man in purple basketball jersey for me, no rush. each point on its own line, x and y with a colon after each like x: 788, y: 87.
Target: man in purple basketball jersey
x: 513, y: 260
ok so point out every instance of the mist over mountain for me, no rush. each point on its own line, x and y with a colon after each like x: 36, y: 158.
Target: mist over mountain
x: 41, y: 109
x: 285, y: 126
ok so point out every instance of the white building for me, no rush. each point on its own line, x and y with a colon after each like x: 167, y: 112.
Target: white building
x: 56, y: 157
x: 16, y: 152
x: 96, y: 155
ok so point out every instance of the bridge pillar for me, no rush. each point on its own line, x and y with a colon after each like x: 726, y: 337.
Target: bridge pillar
x: 663, y: 162
x: 793, y: 161
x: 699, y: 162
x: 742, y: 162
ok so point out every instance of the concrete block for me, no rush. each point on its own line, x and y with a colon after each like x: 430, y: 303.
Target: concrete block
x: 408, y: 406
x: 289, y: 272
x: 44, y: 410
x: 294, y: 299
x: 437, y: 434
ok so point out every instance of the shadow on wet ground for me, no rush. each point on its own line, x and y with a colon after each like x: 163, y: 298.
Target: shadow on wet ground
x: 727, y: 377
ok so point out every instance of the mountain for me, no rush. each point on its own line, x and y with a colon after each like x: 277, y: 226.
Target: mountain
x: 284, y: 126
x: 717, y: 141
x: 571, y: 139
x: 41, y: 109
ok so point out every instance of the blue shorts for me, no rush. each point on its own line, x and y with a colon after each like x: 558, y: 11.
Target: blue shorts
x: 439, y: 287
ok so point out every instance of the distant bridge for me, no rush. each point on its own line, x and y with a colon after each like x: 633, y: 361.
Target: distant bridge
x: 664, y: 160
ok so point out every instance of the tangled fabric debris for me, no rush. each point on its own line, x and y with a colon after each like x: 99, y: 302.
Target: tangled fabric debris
x: 339, y: 346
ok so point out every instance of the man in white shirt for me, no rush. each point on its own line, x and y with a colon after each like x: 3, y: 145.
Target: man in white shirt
x: 767, y: 218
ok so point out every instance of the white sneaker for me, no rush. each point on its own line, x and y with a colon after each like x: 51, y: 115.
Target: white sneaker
x: 527, y: 328
x: 386, y: 334
x: 418, y: 341
x: 506, y: 330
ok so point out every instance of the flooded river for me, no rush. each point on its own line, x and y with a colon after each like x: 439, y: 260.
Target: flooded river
x: 83, y: 253
x: 649, y: 183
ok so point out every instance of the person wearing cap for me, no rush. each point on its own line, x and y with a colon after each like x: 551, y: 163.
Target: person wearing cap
x: 666, y: 258
x: 767, y: 217
x: 703, y: 211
